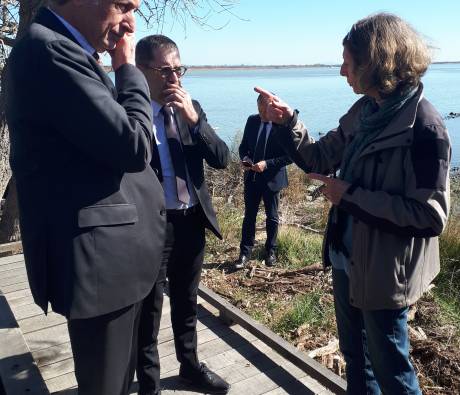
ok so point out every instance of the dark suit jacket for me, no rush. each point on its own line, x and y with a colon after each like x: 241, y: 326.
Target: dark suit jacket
x: 199, y: 144
x: 91, y: 209
x: 275, y: 174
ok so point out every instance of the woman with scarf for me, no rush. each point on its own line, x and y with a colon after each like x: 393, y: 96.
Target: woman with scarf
x: 385, y: 169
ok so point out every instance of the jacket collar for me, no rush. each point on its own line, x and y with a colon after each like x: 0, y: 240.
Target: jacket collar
x: 46, y: 18
x: 78, y: 36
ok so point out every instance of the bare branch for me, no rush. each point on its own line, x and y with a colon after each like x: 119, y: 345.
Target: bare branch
x: 200, y: 12
x: 7, y: 40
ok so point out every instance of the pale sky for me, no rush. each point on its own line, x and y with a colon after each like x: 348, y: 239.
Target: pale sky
x: 305, y: 31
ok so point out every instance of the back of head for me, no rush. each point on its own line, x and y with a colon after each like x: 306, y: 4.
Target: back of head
x: 389, y: 55
x: 147, y: 46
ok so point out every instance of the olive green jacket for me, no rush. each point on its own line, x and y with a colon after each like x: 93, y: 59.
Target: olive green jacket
x: 399, y: 202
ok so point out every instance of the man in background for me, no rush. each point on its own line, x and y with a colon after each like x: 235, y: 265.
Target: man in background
x: 183, y: 140
x: 91, y: 208
x: 264, y: 163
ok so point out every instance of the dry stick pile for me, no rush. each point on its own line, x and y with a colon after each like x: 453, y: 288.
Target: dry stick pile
x: 291, y: 281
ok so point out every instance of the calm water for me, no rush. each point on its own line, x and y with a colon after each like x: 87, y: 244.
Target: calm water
x: 320, y: 94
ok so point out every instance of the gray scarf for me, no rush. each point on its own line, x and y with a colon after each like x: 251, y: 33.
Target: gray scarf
x: 370, y: 122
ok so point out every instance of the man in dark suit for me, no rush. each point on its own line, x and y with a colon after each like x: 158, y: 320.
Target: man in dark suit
x: 264, y: 163
x: 183, y: 140
x: 92, y: 211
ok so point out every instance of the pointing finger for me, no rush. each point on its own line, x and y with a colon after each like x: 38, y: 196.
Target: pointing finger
x: 264, y: 92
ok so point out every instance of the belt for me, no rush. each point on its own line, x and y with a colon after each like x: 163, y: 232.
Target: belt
x: 183, y: 212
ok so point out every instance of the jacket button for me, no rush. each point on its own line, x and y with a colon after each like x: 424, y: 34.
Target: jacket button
x: 351, y: 300
x: 352, y: 263
x: 163, y: 212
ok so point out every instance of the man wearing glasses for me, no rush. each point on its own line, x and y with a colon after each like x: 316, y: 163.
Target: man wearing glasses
x: 183, y: 140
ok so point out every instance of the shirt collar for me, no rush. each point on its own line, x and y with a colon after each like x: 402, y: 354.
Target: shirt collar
x: 78, y: 36
x: 156, y: 107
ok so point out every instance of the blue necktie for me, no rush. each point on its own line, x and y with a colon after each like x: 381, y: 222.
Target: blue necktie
x: 259, y: 151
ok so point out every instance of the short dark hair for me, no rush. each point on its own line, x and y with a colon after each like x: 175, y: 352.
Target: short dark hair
x: 146, y: 47
x: 388, y: 53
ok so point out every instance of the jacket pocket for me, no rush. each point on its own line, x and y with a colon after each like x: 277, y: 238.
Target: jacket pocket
x: 107, y: 215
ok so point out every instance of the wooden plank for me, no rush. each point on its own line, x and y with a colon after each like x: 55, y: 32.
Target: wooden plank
x: 266, y: 381
x: 40, y: 322
x: 233, y: 353
x: 18, y: 371
x: 10, y: 266
x: 20, y: 271
x: 12, y: 280
x: 26, y: 311
x: 240, y: 355
x: 21, y: 301
x: 10, y: 259
x: 14, y: 287
x: 171, y: 384
x: 53, y: 354
x: 57, y: 369
x: 206, y: 350
x: 287, y: 350
x: 253, y: 358
x: 17, y: 294
x: 206, y: 321
x: 11, y: 248
x: 61, y: 383
x: 70, y: 391
x: 48, y: 337
x: 166, y: 318
x: 204, y: 336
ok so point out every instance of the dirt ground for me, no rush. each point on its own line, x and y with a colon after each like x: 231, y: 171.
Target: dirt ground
x: 434, y: 346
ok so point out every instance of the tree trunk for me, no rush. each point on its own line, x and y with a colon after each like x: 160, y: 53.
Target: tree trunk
x: 9, y: 225
x: 9, y: 221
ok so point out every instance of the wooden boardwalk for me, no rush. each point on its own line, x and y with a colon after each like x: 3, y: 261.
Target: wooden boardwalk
x: 36, y: 357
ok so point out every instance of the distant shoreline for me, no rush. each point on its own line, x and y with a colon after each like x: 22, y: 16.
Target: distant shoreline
x: 260, y: 67
x: 250, y: 67
x: 283, y: 66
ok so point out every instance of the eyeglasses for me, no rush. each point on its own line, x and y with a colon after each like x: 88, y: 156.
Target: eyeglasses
x: 167, y: 71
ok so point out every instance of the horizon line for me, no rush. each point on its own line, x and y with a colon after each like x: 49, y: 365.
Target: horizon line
x: 274, y: 66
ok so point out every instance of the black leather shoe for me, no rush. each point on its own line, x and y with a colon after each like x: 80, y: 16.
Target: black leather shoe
x: 270, y: 259
x: 241, y: 262
x: 203, y: 379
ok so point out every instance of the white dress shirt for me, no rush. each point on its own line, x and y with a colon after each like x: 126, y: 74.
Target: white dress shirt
x: 167, y: 168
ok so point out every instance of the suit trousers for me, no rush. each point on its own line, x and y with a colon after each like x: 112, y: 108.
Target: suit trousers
x: 255, y: 190
x: 183, y: 256
x: 104, y: 350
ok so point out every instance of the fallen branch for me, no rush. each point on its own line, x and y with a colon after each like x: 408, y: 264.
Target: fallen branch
x: 330, y: 348
x: 304, y: 227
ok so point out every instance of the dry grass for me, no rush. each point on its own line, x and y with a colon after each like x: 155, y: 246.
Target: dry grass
x: 298, y: 304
